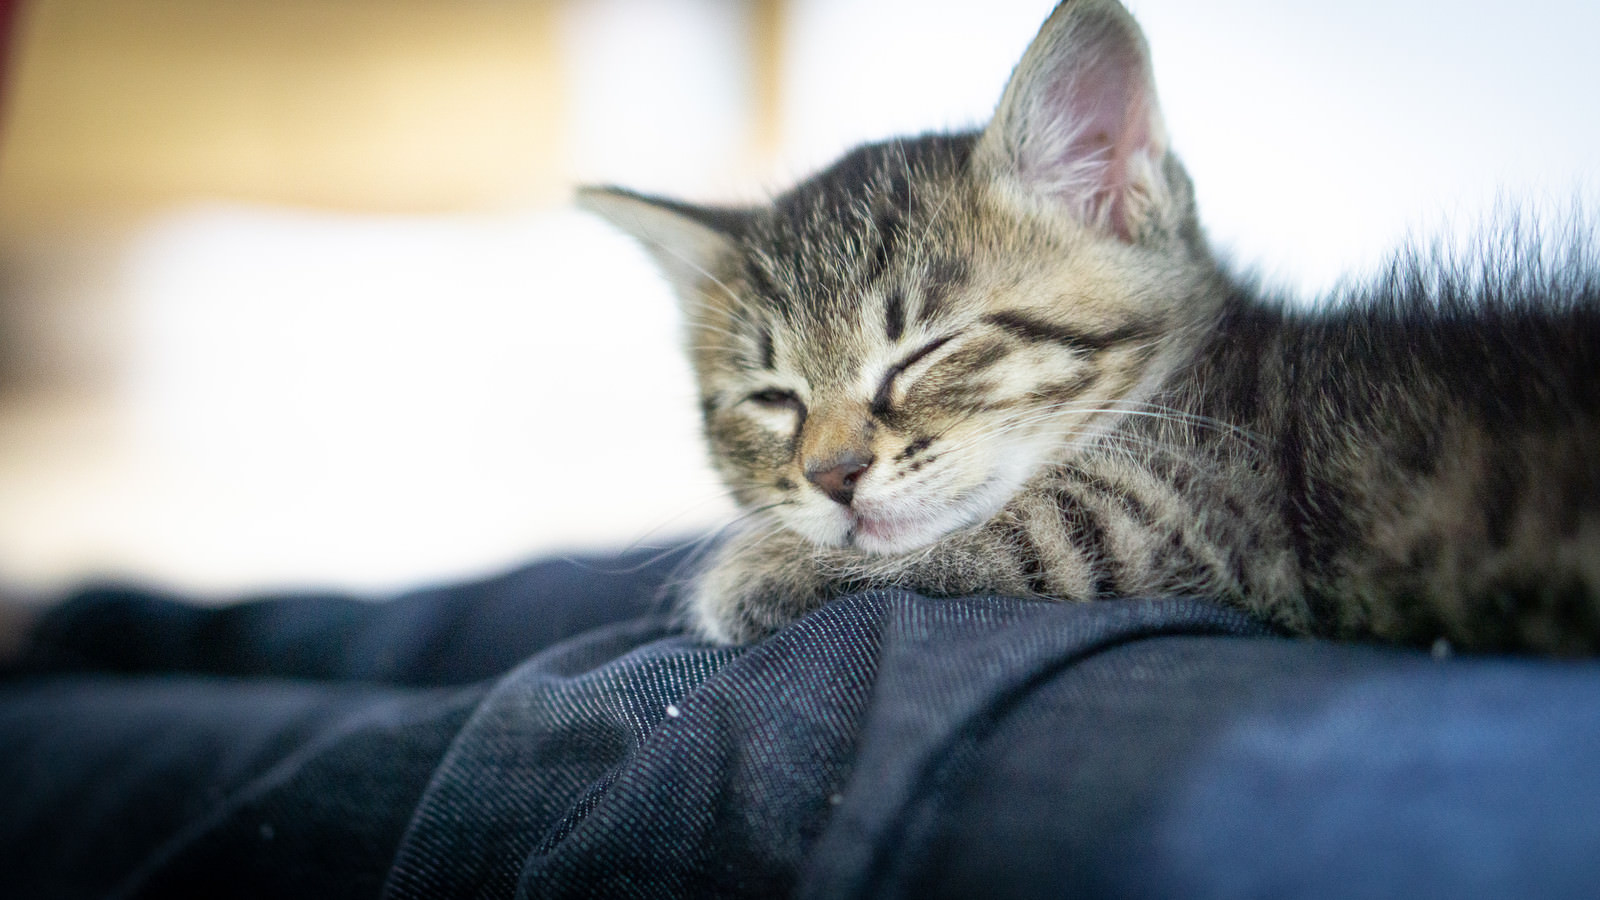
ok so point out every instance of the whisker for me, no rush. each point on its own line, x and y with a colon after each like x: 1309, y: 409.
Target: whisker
x: 1153, y: 411
x: 701, y: 541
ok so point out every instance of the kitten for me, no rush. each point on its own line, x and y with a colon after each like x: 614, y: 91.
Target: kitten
x: 1007, y: 362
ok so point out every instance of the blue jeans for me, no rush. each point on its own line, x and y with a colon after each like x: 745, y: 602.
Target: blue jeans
x: 549, y: 733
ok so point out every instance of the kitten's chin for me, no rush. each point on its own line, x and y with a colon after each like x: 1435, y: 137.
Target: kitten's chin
x: 883, y: 537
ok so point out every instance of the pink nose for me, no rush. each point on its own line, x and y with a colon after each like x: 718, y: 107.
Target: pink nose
x: 837, y: 478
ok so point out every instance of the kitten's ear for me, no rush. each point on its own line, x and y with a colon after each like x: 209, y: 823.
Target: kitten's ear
x: 1079, y: 123
x: 687, y: 242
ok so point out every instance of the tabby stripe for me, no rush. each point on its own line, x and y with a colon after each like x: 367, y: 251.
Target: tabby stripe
x: 1033, y: 568
x: 768, y: 352
x: 1178, y: 539
x: 1191, y: 571
x: 1135, y: 507
x: 886, y: 225
x: 1066, y: 390
x: 1029, y: 328
x: 1088, y: 534
x: 762, y: 286
x: 977, y: 357
x: 913, y: 448
x: 896, y: 314
x: 970, y: 397
x: 944, y: 275
x: 1298, y: 508
x: 880, y: 400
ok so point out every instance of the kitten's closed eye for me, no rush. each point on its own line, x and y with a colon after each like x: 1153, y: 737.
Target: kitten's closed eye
x: 778, y: 399
x: 774, y: 397
x: 881, y: 398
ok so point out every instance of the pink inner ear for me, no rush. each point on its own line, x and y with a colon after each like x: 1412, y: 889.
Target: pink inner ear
x: 1089, y: 122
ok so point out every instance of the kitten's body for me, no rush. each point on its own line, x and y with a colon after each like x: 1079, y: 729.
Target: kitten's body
x: 1006, y: 362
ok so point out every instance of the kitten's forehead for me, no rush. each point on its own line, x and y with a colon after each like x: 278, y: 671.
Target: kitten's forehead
x: 891, y: 167
x: 827, y: 251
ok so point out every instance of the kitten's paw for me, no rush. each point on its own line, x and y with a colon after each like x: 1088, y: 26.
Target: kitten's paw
x: 754, y: 585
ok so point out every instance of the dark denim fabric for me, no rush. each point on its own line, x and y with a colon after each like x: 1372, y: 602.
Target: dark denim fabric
x: 888, y: 745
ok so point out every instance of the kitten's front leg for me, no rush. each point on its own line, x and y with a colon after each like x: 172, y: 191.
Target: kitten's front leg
x: 765, y: 578
x: 757, y: 582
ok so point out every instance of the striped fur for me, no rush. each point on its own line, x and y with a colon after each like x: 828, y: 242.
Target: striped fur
x: 1007, y: 362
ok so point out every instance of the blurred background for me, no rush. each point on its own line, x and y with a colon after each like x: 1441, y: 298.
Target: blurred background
x: 291, y: 292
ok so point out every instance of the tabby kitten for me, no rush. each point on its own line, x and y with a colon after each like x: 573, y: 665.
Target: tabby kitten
x: 1007, y: 362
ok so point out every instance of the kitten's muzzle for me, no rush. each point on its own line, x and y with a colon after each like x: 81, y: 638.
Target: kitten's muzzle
x: 838, y: 476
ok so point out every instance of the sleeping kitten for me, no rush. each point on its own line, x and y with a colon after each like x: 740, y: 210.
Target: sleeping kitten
x: 1007, y: 362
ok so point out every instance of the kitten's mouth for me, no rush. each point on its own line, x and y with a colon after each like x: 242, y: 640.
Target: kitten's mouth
x: 875, y: 531
x: 877, y: 534
x: 881, y: 531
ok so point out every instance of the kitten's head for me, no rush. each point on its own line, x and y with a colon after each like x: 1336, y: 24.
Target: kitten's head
x: 888, y: 351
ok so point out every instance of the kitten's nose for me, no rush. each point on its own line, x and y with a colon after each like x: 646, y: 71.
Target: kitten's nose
x: 837, y: 477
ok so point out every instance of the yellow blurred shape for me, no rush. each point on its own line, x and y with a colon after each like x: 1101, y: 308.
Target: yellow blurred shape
x: 372, y: 105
